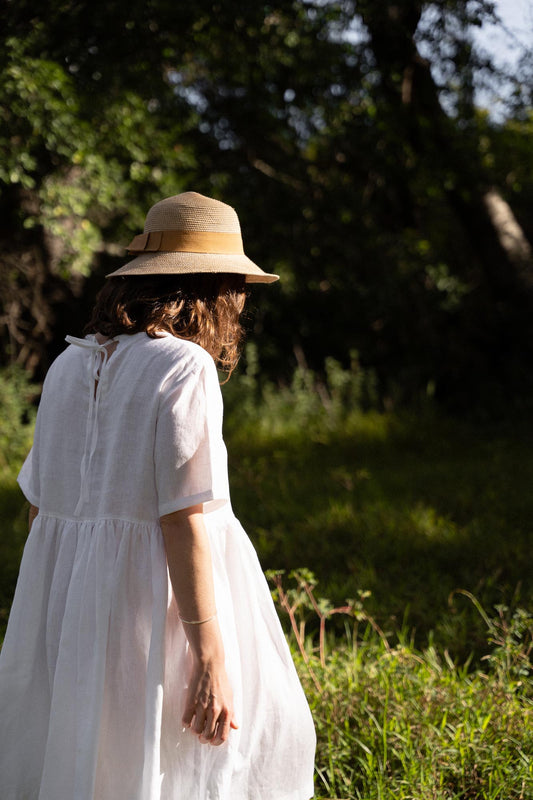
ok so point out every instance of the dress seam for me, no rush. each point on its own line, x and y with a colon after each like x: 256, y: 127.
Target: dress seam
x: 64, y: 518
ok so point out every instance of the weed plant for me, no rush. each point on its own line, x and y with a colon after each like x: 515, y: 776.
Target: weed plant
x: 397, y: 723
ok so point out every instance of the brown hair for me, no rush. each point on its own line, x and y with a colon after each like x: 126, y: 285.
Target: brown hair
x: 203, y: 308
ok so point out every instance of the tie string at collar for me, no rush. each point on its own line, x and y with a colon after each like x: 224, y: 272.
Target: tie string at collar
x: 97, y: 363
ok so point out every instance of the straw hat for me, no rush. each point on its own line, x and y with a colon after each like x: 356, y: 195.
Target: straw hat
x: 191, y: 233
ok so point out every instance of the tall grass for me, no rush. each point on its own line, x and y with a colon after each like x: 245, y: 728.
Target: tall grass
x: 398, y: 723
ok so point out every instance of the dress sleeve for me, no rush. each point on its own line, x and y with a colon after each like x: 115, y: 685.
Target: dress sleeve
x: 28, y: 477
x: 190, y: 455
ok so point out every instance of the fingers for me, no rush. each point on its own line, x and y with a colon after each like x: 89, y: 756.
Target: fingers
x: 222, y: 731
x: 188, y: 714
x: 207, y: 734
x: 203, y: 717
x: 211, y: 723
x: 208, y: 709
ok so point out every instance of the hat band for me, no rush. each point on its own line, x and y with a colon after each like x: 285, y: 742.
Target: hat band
x: 187, y: 242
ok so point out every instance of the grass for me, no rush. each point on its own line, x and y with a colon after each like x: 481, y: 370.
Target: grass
x: 410, y: 508
x: 397, y: 723
x: 406, y: 724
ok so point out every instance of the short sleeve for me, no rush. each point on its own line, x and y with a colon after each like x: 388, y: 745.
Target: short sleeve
x: 190, y: 455
x: 28, y: 479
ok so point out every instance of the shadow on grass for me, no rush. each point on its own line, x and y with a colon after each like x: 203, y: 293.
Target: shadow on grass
x: 411, y: 509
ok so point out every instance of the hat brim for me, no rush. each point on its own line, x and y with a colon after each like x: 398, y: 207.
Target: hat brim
x: 184, y: 263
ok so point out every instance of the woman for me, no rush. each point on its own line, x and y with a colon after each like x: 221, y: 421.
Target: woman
x: 115, y: 685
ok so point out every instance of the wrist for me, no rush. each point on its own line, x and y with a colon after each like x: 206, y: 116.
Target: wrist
x: 205, y: 642
x: 208, y: 654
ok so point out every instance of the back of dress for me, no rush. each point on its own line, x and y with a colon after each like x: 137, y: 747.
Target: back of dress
x: 120, y: 440
x: 132, y: 435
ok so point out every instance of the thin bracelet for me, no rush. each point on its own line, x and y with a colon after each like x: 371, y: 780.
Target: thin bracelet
x: 197, y: 621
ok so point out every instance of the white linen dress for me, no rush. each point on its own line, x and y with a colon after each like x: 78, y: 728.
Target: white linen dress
x: 94, y: 667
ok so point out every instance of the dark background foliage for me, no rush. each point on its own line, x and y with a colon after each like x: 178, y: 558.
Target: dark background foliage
x: 345, y: 133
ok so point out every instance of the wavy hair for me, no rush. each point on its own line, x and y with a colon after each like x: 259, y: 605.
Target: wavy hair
x: 203, y: 308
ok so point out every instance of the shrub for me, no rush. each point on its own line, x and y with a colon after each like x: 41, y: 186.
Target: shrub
x: 17, y: 415
x: 311, y: 402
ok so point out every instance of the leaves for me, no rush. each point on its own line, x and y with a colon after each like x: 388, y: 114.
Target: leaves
x: 345, y: 135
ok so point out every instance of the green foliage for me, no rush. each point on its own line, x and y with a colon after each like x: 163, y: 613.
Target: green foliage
x: 46, y: 142
x: 310, y: 402
x: 396, y: 722
x: 82, y: 163
x: 16, y: 428
x: 39, y: 109
x: 355, y: 175
x: 17, y: 415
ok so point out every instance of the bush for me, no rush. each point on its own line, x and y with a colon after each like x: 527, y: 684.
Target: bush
x: 311, y: 403
x: 17, y: 415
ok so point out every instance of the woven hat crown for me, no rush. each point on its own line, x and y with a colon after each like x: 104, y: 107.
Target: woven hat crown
x: 191, y: 211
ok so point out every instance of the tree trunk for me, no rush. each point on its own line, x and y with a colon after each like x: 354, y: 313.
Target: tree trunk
x: 496, y: 239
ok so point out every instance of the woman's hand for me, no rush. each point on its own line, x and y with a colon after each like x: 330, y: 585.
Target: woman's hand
x: 209, y: 706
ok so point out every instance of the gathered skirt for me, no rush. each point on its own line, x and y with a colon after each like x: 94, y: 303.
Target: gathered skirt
x: 94, y: 669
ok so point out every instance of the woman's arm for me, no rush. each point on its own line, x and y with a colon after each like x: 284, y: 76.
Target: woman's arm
x: 31, y: 516
x: 209, y: 707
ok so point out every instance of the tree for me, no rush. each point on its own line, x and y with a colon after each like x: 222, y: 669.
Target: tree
x: 77, y: 172
x: 361, y: 170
